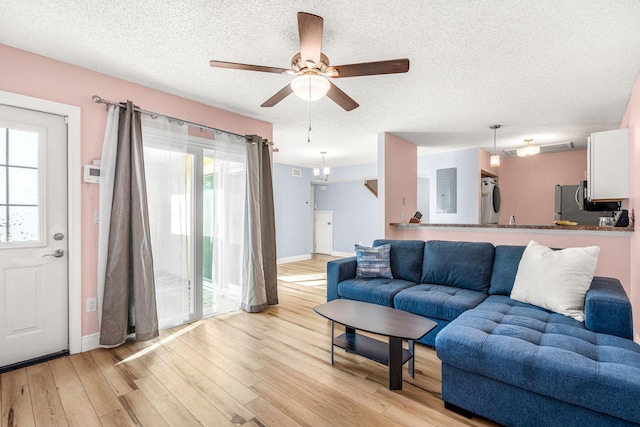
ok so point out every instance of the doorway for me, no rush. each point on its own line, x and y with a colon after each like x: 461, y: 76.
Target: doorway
x: 323, y: 232
x: 74, y: 225
x: 34, y: 275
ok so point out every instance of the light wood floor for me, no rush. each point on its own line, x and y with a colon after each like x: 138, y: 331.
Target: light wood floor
x: 262, y: 369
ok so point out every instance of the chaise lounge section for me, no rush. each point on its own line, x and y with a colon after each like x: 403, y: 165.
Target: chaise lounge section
x: 512, y: 362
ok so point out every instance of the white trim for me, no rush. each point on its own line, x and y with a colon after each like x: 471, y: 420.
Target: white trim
x: 74, y: 214
x: 90, y: 342
x: 343, y: 254
x: 294, y: 259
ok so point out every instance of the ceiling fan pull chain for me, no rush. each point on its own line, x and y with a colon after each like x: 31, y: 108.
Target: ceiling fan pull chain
x: 309, y: 116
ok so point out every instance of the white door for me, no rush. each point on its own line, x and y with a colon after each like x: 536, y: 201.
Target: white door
x: 323, y: 232
x: 34, y: 299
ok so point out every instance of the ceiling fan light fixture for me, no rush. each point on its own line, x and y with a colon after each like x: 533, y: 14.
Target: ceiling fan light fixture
x: 528, y: 150
x: 310, y: 87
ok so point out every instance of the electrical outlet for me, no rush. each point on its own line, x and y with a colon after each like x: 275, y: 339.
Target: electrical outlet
x: 92, y: 304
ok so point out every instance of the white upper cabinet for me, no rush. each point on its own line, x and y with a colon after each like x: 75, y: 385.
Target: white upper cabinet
x: 608, y: 165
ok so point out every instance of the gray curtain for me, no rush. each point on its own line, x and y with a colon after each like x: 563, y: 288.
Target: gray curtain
x: 259, y: 281
x: 129, y: 302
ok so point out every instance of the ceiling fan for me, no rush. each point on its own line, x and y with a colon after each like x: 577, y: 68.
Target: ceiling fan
x: 311, y: 67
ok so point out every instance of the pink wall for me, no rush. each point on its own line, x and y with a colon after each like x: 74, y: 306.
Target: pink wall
x: 527, y: 184
x: 400, y: 179
x: 631, y: 120
x: 37, y: 76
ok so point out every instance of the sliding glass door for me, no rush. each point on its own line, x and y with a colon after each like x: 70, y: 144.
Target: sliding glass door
x: 223, y: 194
x: 196, y: 196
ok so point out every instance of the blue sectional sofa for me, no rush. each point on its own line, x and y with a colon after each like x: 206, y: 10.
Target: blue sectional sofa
x: 511, y: 362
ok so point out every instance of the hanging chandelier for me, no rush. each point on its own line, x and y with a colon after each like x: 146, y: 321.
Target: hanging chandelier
x: 325, y: 170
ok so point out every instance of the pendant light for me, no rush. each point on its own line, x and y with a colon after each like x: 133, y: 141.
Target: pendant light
x: 528, y: 150
x: 495, y: 158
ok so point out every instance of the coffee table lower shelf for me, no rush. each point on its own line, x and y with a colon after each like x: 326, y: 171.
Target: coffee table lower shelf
x: 371, y: 348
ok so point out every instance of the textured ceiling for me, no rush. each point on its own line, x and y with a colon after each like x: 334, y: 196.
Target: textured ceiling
x: 549, y: 70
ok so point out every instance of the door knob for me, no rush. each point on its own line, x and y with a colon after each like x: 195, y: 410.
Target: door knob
x: 58, y: 253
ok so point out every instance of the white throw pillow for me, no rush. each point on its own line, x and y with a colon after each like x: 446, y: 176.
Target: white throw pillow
x: 555, y: 280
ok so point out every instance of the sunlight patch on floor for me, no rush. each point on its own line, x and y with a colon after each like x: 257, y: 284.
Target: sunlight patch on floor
x: 305, y: 279
x: 163, y: 341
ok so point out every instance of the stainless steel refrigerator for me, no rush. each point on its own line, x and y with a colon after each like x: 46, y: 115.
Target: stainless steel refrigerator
x: 567, y: 207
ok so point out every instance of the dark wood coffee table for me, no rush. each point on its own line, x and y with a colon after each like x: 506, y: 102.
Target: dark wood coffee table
x: 380, y: 320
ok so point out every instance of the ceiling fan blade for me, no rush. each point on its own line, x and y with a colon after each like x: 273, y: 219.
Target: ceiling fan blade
x: 247, y: 67
x: 341, y: 98
x: 392, y: 66
x: 282, y: 94
x: 310, y: 30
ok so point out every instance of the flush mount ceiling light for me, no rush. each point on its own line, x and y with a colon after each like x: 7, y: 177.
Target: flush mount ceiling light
x: 528, y: 150
x: 310, y: 87
x: 325, y: 170
x: 495, y: 158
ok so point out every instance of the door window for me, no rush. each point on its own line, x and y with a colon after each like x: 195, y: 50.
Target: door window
x: 20, y: 187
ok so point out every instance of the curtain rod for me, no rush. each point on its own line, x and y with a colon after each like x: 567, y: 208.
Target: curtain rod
x: 99, y: 100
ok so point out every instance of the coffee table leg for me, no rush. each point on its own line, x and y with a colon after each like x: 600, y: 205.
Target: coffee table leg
x: 411, y: 352
x: 395, y: 363
x: 332, y: 327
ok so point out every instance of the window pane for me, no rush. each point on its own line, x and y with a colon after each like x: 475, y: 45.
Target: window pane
x: 3, y: 146
x: 23, y: 186
x: 3, y: 226
x: 23, y: 148
x: 23, y: 224
x: 3, y: 185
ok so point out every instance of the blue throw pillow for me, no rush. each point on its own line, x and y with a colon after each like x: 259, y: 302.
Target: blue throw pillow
x: 373, y: 262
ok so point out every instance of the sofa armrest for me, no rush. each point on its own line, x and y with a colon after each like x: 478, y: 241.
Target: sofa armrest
x: 337, y: 271
x: 607, y: 308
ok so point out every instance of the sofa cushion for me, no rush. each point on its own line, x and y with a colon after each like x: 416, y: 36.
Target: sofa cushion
x: 547, y: 353
x: 465, y: 265
x: 437, y: 301
x: 376, y: 291
x: 556, y: 280
x: 373, y: 262
x: 505, y: 267
x: 406, y: 258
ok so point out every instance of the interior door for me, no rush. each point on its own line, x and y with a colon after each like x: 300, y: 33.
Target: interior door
x: 33, y: 235
x: 323, y: 232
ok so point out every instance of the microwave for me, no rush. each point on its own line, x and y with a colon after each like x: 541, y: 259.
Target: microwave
x: 586, y: 205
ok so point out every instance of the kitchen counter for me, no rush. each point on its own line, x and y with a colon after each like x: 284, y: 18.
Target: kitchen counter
x: 523, y: 228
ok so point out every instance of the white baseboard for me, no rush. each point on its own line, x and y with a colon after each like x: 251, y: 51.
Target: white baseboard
x: 343, y: 254
x: 90, y: 342
x: 293, y: 259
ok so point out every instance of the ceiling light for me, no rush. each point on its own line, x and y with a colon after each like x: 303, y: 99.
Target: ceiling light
x: 310, y: 87
x: 495, y: 158
x: 528, y: 150
x: 326, y: 170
